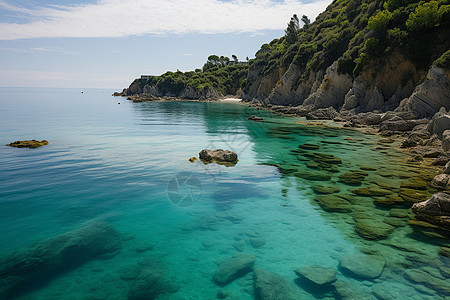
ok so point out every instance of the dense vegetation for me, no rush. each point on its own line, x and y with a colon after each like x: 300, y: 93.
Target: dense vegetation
x: 218, y: 73
x: 358, y: 32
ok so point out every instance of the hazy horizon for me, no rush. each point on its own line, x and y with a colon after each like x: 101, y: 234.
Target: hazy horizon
x: 106, y: 44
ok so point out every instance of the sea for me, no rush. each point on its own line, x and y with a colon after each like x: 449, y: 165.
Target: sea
x: 112, y: 207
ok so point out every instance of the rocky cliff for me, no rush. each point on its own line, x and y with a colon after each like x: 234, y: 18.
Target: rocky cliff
x: 360, y: 56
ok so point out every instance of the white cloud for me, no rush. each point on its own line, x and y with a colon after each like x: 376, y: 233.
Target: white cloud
x: 121, y: 18
x: 51, y: 50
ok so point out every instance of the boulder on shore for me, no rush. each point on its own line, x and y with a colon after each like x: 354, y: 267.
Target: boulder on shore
x: 323, y: 114
x: 435, y: 210
x: 437, y: 205
x: 446, y: 140
x: 28, y: 144
x: 440, y: 122
x: 219, y: 156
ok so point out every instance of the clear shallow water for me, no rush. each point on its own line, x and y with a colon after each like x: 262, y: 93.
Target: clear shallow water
x: 115, y: 163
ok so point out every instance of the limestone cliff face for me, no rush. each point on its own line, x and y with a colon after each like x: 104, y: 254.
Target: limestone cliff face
x: 429, y: 96
x: 396, y: 86
x: 207, y: 93
x: 332, y: 89
x: 133, y: 89
x: 358, y: 57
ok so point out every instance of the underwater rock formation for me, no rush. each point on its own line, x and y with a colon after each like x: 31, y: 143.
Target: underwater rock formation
x: 62, y: 253
x: 233, y: 268
x: 270, y: 286
x: 317, y: 275
x: 362, y: 266
x: 153, y: 280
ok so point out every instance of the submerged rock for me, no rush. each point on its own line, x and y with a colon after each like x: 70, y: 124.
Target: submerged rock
x: 346, y: 292
x: 270, y: 286
x: 423, y: 276
x: 219, y: 156
x: 322, y: 189
x: 233, y: 268
x: 313, y: 175
x: 415, y: 183
x: 371, y: 229
x: 411, y: 195
x: 362, y: 266
x: 353, y: 177
x: 62, y: 253
x: 389, y: 201
x: 332, y: 203
x: 28, y: 144
x: 371, y: 192
x: 152, y: 281
x: 307, y: 146
x: 317, y: 275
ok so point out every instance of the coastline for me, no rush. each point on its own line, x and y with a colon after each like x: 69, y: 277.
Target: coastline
x: 429, y: 158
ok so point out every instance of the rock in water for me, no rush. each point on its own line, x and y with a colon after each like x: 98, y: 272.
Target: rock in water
x: 255, y: 118
x: 372, y: 229
x: 233, y: 268
x: 421, y: 276
x: 362, y: 266
x: 219, y: 156
x: 152, y: 281
x: 28, y: 144
x: 332, y: 203
x: 56, y: 255
x: 317, y: 275
x: 270, y: 286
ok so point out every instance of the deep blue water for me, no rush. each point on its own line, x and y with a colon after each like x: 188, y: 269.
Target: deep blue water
x: 123, y: 164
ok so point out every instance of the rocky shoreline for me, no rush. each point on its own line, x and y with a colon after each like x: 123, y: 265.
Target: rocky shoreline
x: 425, y: 141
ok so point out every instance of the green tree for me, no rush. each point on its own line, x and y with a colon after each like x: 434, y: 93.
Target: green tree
x: 214, y: 59
x: 380, y: 21
x: 292, y: 29
x: 235, y: 58
x: 424, y: 17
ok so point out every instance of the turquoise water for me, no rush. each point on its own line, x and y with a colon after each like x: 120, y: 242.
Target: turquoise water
x: 120, y: 164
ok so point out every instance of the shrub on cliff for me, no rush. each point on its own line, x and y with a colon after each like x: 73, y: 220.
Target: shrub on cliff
x: 427, y: 15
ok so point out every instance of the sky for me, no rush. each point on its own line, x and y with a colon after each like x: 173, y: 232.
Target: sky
x: 108, y: 43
